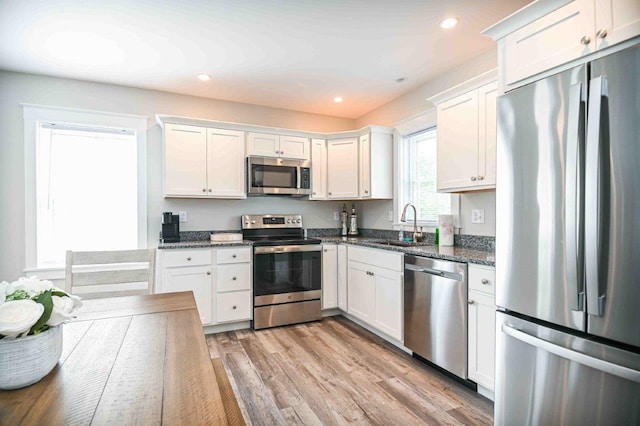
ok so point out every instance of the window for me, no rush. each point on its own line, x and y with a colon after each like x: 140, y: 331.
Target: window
x: 86, y: 184
x: 418, y: 179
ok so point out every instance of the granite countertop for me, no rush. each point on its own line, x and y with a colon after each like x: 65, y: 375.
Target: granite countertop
x: 455, y: 254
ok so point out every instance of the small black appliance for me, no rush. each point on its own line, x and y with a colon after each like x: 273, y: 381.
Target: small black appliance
x: 170, y: 228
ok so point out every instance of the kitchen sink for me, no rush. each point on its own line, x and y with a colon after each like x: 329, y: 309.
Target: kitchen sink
x: 398, y: 243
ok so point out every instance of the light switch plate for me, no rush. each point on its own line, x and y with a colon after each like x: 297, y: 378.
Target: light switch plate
x: 390, y: 215
x: 336, y: 216
x: 477, y: 216
x: 183, y: 216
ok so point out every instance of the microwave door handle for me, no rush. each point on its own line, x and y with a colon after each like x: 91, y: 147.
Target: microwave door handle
x: 593, y: 198
x: 573, y: 185
x: 298, y: 177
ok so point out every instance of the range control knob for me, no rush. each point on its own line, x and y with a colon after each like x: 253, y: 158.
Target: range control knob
x: 288, y: 220
x: 253, y: 222
x: 298, y: 221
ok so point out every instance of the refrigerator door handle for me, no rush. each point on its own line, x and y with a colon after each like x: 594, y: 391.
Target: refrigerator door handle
x: 595, y: 301
x: 573, y: 185
x: 574, y: 356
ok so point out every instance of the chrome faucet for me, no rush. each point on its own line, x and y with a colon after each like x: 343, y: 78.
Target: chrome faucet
x: 417, y: 236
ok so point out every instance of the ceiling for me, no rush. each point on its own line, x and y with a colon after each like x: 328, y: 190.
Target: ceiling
x: 293, y: 54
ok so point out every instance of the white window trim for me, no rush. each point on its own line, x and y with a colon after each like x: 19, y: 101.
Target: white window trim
x: 402, y: 130
x: 34, y: 114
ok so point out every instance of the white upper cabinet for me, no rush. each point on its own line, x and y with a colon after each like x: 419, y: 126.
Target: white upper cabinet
x: 225, y: 164
x: 539, y: 38
x: 318, y: 169
x: 616, y: 21
x: 467, y: 141
x: 375, y: 164
x: 342, y: 168
x: 185, y: 160
x: 269, y: 145
x: 561, y: 36
x: 201, y: 162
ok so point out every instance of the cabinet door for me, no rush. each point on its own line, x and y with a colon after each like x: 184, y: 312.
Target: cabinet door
x: 557, y: 38
x: 295, y: 147
x: 318, y: 169
x: 342, y: 277
x: 329, y: 276
x: 388, y: 302
x: 191, y: 278
x: 225, y: 164
x: 365, y: 166
x: 233, y: 306
x: 185, y: 160
x: 616, y: 21
x: 263, y: 144
x: 360, y: 292
x: 487, y: 121
x: 458, y: 142
x: 482, y: 337
x: 342, y: 168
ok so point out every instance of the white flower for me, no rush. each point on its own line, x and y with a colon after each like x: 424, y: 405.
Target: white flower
x: 18, y: 316
x: 63, y: 308
x: 33, y: 286
x: 4, y: 290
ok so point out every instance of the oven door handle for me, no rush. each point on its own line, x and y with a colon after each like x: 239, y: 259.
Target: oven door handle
x: 287, y: 249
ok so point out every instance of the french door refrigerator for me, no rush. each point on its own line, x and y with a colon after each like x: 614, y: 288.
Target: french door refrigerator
x: 568, y: 247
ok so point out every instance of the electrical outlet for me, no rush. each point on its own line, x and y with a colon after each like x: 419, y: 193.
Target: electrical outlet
x: 477, y: 216
x: 336, y: 215
x: 390, y: 215
x: 183, y: 216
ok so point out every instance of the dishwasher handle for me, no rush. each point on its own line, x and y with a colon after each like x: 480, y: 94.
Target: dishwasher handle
x: 430, y: 271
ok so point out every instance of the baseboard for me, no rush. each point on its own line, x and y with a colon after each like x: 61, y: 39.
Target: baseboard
x: 331, y: 312
x: 486, y: 393
x: 221, y: 328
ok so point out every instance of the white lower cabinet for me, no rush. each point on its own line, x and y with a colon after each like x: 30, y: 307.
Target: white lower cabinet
x: 342, y: 277
x: 188, y: 270
x: 220, y: 280
x: 482, y: 321
x: 375, y: 294
x: 329, y: 276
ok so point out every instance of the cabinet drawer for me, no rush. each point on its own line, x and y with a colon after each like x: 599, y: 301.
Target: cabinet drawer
x: 482, y: 278
x: 381, y: 258
x: 233, y: 306
x: 233, y: 255
x: 172, y: 258
x: 233, y: 277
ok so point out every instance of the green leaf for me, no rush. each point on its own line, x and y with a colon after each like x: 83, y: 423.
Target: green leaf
x: 45, y: 300
x: 18, y: 295
x: 59, y: 294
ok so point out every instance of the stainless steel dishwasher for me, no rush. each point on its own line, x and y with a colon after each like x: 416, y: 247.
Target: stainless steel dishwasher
x: 435, y: 312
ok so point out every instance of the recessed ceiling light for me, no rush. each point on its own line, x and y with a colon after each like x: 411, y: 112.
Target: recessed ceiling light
x: 337, y: 99
x: 449, y: 23
x: 204, y: 77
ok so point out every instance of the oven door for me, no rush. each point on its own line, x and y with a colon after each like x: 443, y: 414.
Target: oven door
x: 273, y: 176
x: 283, y: 274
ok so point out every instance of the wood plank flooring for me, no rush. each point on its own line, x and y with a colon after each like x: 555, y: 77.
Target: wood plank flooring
x: 334, y: 372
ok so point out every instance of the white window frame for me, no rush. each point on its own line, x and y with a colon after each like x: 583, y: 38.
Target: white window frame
x: 33, y: 115
x: 402, y: 131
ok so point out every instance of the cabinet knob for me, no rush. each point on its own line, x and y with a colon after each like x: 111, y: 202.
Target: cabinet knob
x: 209, y: 189
x: 325, y: 250
x: 313, y: 193
x: 234, y: 307
x: 480, y: 177
x: 366, y: 191
x: 188, y: 258
x: 585, y: 40
x: 485, y: 281
x: 473, y: 178
x: 471, y: 302
x: 330, y: 194
x: 204, y: 190
x: 208, y: 272
x: 234, y: 256
x: 234, y: 278
x: 602, y: 33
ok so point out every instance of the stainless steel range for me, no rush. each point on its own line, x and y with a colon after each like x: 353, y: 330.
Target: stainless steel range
x: 287, y: 270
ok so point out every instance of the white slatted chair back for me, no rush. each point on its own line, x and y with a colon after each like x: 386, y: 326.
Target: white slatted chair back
x: 96, y: 274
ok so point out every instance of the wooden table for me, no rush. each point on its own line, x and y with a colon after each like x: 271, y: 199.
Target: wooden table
x: 126, y: 360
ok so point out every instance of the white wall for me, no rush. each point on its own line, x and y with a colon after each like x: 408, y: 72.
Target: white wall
x: 17, y: 88
x: 375, y: 213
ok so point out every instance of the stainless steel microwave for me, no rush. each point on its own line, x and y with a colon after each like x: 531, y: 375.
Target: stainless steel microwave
x: 277, y: 176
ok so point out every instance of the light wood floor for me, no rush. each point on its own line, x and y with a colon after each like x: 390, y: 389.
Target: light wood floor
x: 335, y: 372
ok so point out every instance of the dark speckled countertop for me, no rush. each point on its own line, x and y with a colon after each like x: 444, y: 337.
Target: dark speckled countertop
x: 455, y: 254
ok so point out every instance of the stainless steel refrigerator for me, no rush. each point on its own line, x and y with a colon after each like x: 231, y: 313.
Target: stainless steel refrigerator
x: 568, y: 247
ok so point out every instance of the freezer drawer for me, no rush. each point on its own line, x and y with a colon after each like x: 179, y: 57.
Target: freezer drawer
x: 435, y: 312
x: 547, y: 377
